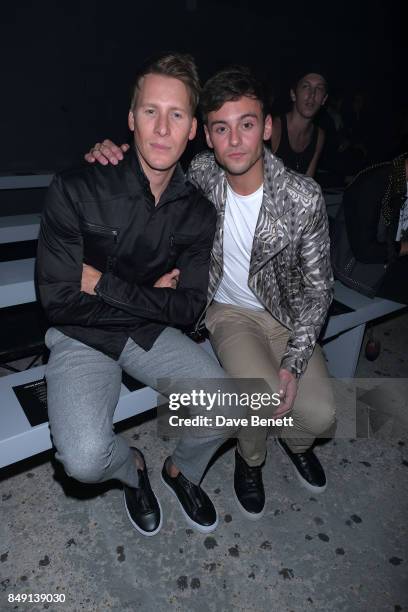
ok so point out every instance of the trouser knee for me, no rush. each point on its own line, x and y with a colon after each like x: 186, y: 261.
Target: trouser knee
x: 322, y: 420
x: 87, y: 465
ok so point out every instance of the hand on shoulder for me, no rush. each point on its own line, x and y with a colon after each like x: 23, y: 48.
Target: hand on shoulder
x: 106, y: 152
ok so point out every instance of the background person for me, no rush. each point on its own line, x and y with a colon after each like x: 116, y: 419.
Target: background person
x: 296, y: 139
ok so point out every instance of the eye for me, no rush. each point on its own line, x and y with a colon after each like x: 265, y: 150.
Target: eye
x: 248, y: 125
x: 177, y: 115
x: 149, y: 111
x: 221, y: 129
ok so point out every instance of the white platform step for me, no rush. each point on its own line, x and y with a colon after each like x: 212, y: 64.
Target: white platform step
x: 25, y: 181
x: 19, y: 440
x: 17, y: 282
x: 16, y: 228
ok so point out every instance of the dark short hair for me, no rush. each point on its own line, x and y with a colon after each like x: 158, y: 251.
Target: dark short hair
x: 229, y: 85
x: 304, y: 71
x: 176, y: 65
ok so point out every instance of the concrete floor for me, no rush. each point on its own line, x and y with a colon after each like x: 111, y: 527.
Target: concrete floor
x: 344, y: 550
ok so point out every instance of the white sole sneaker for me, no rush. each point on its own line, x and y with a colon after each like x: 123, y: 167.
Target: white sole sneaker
x: 305, y: 484
x: 136, y: 526
x: 249, y: 515
x: 197, y: 526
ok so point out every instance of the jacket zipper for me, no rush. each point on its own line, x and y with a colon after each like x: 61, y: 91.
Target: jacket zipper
x: 100, y: 229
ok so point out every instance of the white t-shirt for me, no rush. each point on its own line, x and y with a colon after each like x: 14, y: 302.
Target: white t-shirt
x: 241, y: 215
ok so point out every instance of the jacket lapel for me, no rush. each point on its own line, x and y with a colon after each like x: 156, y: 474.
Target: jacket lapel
x: 271, y: 234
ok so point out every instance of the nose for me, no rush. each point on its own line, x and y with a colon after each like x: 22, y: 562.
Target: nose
x: 162, y: 124
x: 234, y: 137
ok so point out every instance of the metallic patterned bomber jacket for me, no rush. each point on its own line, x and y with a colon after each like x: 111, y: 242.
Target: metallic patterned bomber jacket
x: 290, y: 271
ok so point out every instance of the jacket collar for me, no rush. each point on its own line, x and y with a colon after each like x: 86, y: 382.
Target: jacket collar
x: 271, y: 234
x: 138, y: 182
x: 274, y: 175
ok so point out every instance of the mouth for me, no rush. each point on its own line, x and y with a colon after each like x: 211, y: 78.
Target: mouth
x: 235, y: 155
x: 159, y: 147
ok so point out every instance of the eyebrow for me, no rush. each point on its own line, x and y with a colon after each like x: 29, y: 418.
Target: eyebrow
x: 224, y: 122
x: 319, y: 84
x: 155, y: 105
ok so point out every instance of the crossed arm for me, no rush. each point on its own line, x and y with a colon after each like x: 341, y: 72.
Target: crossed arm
x: 75, y: 294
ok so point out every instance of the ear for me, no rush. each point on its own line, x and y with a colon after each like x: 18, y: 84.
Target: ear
x: 324, y: 100
x: 131, y: 121
x: 292, y: 95
x: 208, y: 137
x: 193, y: 129
x: 267, y: 128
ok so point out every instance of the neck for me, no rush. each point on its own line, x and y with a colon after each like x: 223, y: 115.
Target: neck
x: 158, y: 179
x: 302, y: 124
x: 249, y: 182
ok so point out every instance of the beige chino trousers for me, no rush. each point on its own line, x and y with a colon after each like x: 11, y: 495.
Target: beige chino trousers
x: 250, y: 344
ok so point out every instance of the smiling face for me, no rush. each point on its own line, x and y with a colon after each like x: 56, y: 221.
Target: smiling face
x: 310, y: 94
x: 236, y: 132
x: 162, y: 122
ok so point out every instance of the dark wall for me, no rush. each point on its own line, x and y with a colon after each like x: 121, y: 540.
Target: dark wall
x: 67, y: 66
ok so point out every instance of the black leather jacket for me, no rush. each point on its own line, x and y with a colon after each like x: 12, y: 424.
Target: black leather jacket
x: 106, y: 217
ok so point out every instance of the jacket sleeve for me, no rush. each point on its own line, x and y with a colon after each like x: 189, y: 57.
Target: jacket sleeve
x: 59, y: 268
x: 176, y: 307
x: 317, y: 281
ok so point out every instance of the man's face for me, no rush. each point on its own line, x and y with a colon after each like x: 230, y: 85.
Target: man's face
x: 310, y: 94
x: 161, y: 121
x: 236, y: 132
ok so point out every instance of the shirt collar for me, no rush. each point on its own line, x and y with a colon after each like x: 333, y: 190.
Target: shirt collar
x: 178, y: 185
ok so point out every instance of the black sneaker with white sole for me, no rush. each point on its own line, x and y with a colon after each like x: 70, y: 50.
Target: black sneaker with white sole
x: 141, y: 504
x: 195, y: 504
x: 307, y: 468
x: 249, y: 490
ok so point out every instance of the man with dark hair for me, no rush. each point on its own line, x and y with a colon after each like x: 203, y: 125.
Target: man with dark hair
x: 295, y: 137
x: 123, y: 261
x: 270, y: 278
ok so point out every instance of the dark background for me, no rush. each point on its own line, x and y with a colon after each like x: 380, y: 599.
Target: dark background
x: 67, y: 66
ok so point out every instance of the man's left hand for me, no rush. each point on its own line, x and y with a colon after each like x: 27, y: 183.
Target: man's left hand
x: 288, y: 386
x: 90, y: 278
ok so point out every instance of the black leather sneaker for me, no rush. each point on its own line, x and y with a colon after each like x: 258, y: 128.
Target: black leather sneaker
x: 141, y: 504
x: 307, y: 468
x: 195, y: 504
x: 249, y: 491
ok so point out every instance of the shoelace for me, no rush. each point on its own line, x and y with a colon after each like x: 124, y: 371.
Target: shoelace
x: 253, y: 477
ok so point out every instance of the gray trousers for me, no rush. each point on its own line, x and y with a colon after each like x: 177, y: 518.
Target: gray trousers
x: 83, y: 390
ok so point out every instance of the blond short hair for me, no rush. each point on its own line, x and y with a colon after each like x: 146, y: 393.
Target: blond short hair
x: 176, y: 65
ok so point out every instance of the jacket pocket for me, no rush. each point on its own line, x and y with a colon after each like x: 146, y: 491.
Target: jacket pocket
x: 178, y: 243
x: 100, y: 243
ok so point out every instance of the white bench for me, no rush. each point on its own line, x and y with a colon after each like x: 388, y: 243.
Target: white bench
x: 17, y: 228
x: 342, y: 338
x: 342, y: 344
x: 344, y: 333
x: 17, y: 282
x: 25, y: 181
x: 19, y: 440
